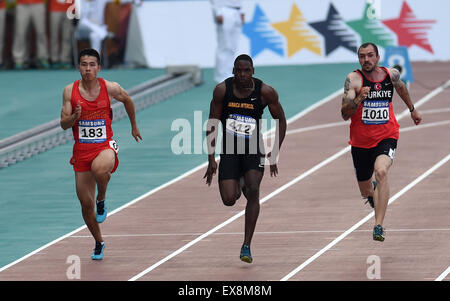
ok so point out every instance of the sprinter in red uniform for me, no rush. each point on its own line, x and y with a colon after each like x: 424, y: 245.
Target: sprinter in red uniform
x: 87, y: 110
x: 374, y: 129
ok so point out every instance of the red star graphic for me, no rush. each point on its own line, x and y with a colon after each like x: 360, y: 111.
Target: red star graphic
x: 410, y: 31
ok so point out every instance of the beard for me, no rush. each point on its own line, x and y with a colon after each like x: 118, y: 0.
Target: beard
x: 369, y: 68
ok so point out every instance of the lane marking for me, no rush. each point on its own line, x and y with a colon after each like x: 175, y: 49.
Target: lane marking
x: 426, y: 125
x: 435, y: 111
x: 425, y: 99
x: 365, y: 219
x: 195, y: 169
x: 299, y: 115
x: 241, y: 213
x: 443, y: 275
x: 256, y: 232
x: 334, y: 124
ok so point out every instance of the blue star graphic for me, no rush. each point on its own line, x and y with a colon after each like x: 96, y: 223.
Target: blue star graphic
x: 335, y: 32
x: 262, y: 35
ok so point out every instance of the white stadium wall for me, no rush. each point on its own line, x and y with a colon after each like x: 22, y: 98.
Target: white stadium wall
x: 289, y: 32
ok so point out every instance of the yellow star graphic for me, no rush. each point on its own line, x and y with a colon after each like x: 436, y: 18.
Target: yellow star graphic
x: 296, y: 33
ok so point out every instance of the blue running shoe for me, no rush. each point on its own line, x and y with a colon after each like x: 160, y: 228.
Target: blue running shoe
x: 101, y: 211
x: 98, y: 251
x: 378, y: 233
x: 246, y: 256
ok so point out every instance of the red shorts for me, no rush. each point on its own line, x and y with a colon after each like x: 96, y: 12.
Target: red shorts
x: 82, y: 160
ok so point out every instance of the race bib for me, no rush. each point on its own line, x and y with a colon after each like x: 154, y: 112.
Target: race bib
x: 114, y: 146
x: 92, y: 131
x: 375, y: 111
x: 240, y: 125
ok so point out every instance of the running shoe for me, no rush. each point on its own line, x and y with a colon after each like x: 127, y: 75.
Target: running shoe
x: 246, y: 256
x: 370, y: 198
x: 98, y: 251
x: 101, y: 211
x: 378, y: 233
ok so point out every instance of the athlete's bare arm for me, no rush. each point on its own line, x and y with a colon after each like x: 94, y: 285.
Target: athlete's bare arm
x: 118, y: 93
x: 67, y: 118
x: 215, y: 112
x: 402, y: 91
x: 270, y: 97
x: 350, y: 99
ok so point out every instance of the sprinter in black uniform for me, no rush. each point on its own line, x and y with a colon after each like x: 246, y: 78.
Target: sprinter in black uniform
x: 238, y: 103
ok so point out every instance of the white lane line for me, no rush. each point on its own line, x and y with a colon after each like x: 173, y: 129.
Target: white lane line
x: 203, y: 165
x: 316, y: 127
x: 443, y: 275
x: 309, y: 109
x: 425, y: 125
x: 267, y: 197
x: 256, y: 233
x: 280, y: 189
x: 425, y: 99
x: 334, y: 124
x: 365, y: 219
x: 435, y: 111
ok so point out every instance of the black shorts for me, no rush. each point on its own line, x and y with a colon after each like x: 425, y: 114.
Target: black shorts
x: 235, y: 166
x: 364, y: 158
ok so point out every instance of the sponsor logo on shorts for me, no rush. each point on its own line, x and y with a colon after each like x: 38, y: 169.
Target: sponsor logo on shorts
x: 391, y: 153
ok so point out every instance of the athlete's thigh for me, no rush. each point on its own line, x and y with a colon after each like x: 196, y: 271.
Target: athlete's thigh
x: 85, y: 186
x: 229, y: 175
x: 230, y: 167
x: 383, y: 162
x: 104, y: 162
x: 363, y: 162
x: 385, y: 153
x: 253, y: 178
x: 228, y: 189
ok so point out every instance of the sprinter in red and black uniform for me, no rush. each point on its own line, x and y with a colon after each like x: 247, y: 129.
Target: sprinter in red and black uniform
x: 87, y: 110
x: 238, y: 103
x: 374, y: 130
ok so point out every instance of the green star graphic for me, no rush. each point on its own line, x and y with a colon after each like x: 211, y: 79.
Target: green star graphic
x: 371, y: 29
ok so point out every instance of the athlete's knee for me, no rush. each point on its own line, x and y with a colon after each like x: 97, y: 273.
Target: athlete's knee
x: 87, y: 206
x: 101, y: 169
x: 102, y: 174
x: 229, y: 200
x: 380, y: 174
x: 252, y: 190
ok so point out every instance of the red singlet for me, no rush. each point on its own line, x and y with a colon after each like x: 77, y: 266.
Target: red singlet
x: 374, y: 119
x: 92, y: 132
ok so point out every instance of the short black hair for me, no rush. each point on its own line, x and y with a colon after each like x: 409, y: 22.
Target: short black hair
x: 244, y: 57
x: 89, y: 52
x: 365, y: 45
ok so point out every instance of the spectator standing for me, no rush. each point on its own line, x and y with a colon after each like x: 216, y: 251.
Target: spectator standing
x: 229, y: 18
x: 60, y: 24
x: 30, y: 11
x: 92, y: 22
x: 2, y: 30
